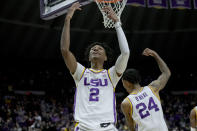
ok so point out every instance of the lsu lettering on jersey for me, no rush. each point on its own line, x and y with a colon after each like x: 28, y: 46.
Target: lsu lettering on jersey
x: 94, y: 97
x: 147, y: 111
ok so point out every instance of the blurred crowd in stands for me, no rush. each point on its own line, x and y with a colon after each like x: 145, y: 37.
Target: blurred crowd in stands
x: 53, y: 111
x: 42, y: 113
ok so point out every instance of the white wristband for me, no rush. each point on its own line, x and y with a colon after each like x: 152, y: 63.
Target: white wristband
x: 117, y: 24
x: 193, y: 129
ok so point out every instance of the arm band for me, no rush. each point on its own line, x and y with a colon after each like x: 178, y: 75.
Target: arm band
x: 122, y: 60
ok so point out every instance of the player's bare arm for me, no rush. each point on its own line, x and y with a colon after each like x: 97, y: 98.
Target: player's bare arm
x: 69, y: 58
x: 126, y: 109
x: 165, y: 72
x: 121, y: 62
x: 193, y: 120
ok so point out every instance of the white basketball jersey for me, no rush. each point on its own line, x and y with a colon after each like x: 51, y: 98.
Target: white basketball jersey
x: 147, y: 111
x: 94, y: 99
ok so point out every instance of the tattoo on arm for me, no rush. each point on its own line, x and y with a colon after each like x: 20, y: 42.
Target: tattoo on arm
x: 165, y: 74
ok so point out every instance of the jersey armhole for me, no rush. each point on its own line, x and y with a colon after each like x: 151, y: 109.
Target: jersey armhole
x: 77, y: 82
x: 110, y: 79
x: 82, y: 73
x: 81, y: 76
x: 154, y: 92
x: 131, y: 105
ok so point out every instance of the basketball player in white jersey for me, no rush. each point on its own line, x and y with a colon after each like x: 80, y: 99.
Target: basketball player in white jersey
x: 94, y: 105
x: 193, y: 119
x: 142, y: 107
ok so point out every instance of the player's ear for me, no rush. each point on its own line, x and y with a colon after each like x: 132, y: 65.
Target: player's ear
x: 105, y: 58
x: 89, y: 58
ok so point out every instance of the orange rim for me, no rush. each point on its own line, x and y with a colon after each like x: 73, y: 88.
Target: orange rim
x: 107, y: 1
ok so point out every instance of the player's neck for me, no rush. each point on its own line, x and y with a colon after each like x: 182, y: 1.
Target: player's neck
x: 96, y: 65
x: 136, y: 88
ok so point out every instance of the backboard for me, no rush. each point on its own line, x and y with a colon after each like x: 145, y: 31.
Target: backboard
x: 50, y: 9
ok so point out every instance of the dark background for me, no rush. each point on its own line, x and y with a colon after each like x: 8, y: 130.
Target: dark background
x: 30, y: 47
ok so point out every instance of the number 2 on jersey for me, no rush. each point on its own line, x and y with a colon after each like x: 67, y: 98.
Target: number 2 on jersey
x: 94, y: 92
x: 143, y: 108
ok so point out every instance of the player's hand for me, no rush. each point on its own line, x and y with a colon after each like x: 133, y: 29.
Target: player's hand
x: 110, y: 13
x: 149, y: 52
x: 72, y: 9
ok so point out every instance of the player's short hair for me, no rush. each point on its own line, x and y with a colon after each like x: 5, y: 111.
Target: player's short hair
x: 108, y: 51
x: 132, y: 75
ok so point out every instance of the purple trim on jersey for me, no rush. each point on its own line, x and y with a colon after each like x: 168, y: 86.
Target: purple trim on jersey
x: 114, y: 106
x: 77, y: 128
x: 136, y: 127
x: 110, y: 78
x: 75, y: 101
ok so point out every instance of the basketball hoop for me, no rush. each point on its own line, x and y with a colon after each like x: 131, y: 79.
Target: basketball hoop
x: 108, y: 1
x: 116, y: 5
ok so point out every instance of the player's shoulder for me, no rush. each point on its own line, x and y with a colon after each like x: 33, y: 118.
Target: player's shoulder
x: 80, y: 66
x: 148, y: 87
x: 153, y: 88
x: 125, y: 104
x: 194, y: 109
x: 126, y: 101
x: 111, y: 68
x: 193, y: 112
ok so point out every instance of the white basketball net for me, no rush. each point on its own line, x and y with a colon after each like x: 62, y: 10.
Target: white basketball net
x: 117, y: 6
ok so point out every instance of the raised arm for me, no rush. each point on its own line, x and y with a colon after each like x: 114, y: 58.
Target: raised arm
x: 193, y: 120
x: 69, y: 58
x: 165, y: 72
x: 121, y: 62
x: 126, y: 109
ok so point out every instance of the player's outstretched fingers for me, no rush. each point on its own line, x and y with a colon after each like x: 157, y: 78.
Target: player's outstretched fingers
x: 71, y: 10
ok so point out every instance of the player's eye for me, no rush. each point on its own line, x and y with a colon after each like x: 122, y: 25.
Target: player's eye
x: 100, y: 48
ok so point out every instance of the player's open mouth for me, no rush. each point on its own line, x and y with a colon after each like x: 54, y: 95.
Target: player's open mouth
x: 96, y: 53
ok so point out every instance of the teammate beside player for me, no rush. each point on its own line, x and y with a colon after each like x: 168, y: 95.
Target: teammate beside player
x: 95, y: 106
x: 193, y: 119
x: 142, y: 107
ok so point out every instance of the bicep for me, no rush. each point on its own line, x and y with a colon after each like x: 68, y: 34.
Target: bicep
x: 130, y: 122
x: 121, y: 64
x: 192, y: 118
x: 160, y: 82
x: 70, y: 61
x: 125, y: 107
